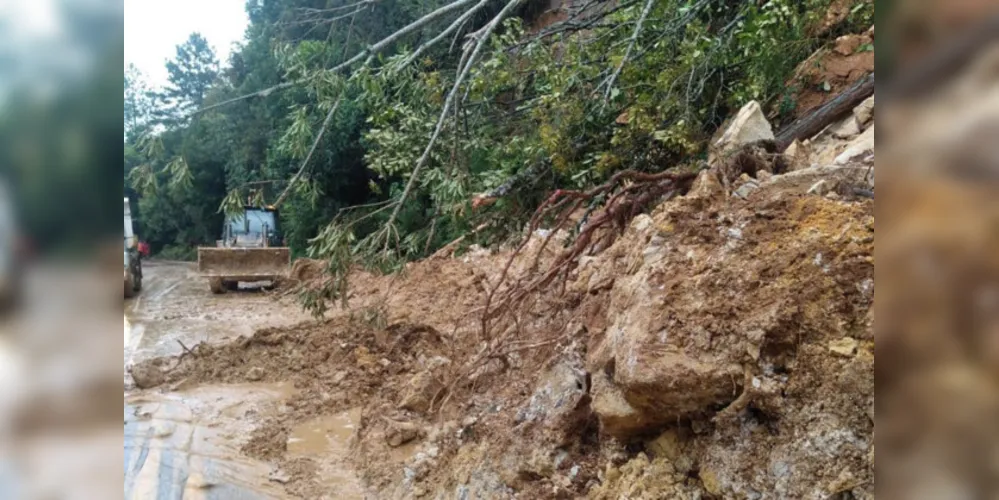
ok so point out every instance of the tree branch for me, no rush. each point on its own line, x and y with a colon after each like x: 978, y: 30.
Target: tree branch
x: 631, y: 46
x: 481, y: 42
x: 457, y: 24
x: 372, y: 50
x: 312, y: 150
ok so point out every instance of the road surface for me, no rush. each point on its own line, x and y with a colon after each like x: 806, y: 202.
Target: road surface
x: 183, y: 443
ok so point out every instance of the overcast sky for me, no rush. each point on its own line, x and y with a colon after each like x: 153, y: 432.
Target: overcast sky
x: 153, y: 29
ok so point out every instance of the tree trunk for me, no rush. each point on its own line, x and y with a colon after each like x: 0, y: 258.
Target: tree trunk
x: 827, y: 113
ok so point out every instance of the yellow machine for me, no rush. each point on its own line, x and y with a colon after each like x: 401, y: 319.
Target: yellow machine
x: 249, y: 251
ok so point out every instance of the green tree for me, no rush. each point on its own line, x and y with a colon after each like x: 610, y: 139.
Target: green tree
x: 191, y: 74
x: 138, y: 102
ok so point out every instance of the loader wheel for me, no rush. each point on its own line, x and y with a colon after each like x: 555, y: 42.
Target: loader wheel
x: 129, y: 287
x: 217, y: 285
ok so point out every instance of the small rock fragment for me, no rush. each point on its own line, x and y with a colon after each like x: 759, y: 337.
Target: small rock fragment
x: 255, y: 374
x: 845, y: 129
x: 846, y: 346
x: 279, y: 476
x: 420, y: 392
x: 400, y: 433
x: 706, y: 185
x: 819, y: 188
x: 864, y: 112
x: 747, y: 189
x: 146, y: 375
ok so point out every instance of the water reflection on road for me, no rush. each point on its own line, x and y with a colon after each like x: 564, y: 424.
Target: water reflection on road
x: 186, y: 444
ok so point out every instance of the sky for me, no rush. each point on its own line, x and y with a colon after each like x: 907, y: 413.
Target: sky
x: 154, y: 28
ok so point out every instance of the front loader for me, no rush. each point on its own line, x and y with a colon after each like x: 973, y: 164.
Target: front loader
x: 250, y: 251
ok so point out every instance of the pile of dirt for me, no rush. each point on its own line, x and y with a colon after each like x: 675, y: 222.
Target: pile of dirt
x: 305, y: 270
x: 721, y: 347
x: 830, y: 70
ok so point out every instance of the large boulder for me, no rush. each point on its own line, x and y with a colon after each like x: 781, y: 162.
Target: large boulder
x: 749, y: 126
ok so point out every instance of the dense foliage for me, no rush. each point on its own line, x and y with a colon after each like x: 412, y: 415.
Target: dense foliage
x: 607, y: 86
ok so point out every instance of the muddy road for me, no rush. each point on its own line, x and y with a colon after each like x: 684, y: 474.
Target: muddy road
x: 183, y: 441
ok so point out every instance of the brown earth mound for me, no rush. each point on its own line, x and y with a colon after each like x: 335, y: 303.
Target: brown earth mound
x: 721, y: 347
x: 832, y: 69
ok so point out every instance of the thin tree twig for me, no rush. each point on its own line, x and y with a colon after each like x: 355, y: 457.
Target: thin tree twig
x: 631, y: 46
x: 312, y: 150
x: 486, y: 32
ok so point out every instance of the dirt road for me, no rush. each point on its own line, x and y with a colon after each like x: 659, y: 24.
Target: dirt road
x: 183, y: 441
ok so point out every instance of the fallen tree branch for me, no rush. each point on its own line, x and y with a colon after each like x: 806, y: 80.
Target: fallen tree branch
x: 448, y: 102
x: 370, y: 51
x: 631, y: 46
x: 312, y: 150
x: 818, y: 119
x: 454, y: 27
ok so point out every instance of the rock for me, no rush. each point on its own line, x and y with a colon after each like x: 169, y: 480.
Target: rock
x: 798, y: 155
x: 671, y: 384
x: 864, y: 112
x: 800, y: 181
x: 419, y: 492
x: 847, y: 128
x: 255, y: 374
x: 420, y: 392
x: 749, y: 125
x: 667, y: 445
x: 400, y: 433
x: 279, y: 476
x: 706, y: 185
x: 617, y: 416
x: 710, y: 482
x: 641, y: 222
x: 747, y: 189
x: 623, y: 118
x: 846, y: 346
x: 560, y: 400
x: 848, y: 44
x: 469, y: 421
x: 819, y: 188
x: 439, y: 361
x: 146, y: 375
x: 339, y: 377
x: 860, y: 147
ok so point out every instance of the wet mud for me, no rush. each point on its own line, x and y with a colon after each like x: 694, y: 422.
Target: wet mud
x: 187, y: 440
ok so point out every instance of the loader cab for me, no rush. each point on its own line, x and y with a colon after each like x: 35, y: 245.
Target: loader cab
x: 255, y: 227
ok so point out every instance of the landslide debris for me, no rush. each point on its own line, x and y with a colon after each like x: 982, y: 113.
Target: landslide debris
x: 721, y: 347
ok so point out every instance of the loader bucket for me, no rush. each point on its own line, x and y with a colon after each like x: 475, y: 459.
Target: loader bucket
x: 244, y: 264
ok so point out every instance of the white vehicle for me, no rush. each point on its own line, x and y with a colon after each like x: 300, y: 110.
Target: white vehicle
x: 133, y: 259
x: 10, y: 267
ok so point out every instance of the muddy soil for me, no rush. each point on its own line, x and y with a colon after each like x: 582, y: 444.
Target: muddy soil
x: 186, y: 440
x: 764, y: 303
x: 721, y: 347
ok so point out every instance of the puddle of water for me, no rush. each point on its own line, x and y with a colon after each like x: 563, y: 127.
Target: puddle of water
x: 329, y: 434
x: 326, y: 440
x: 186, y: 444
